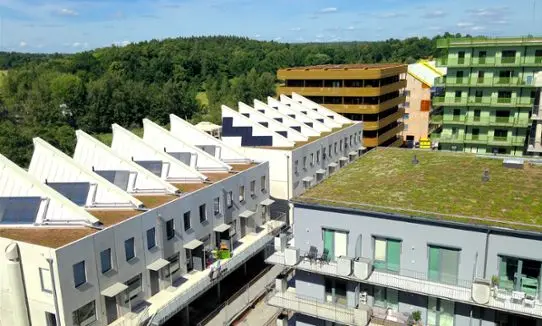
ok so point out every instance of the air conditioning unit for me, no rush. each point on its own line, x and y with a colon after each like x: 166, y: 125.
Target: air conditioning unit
x: 481, y: 290
x: 344, y: 266
x: 362, y: 268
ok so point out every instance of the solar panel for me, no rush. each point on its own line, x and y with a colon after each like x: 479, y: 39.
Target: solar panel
x: 209, y: 149
x: 77, y: 192
x: 119, y: 178
x: 182, y: 156
x: 153, y: 166
x: 19, y: 210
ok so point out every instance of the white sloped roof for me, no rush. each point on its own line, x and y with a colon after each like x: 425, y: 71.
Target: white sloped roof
x: 286, y: 120
x: 272, y: 124
x: 320, y: 109
x: 426, y: 72
x: 51, y: 165
x: 285, y: 109
x: 55, y: 208
x: 207, y: 126
x: 198, y: 137
x: 161, y: 138
x: 94, y: 154
x: 131, y: 147
x: 330, y: 123
x: 240, y: 120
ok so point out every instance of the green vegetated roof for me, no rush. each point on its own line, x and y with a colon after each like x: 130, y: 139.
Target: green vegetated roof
x: 442, y: 185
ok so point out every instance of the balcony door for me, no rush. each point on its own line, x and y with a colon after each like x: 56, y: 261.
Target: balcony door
x: 387, y: 254
x: 443, y: 265
x: 440, y: 312
x: 335, y: 243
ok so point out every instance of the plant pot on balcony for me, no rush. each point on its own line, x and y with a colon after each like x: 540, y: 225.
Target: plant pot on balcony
x: 281, y: 283
x: 481, y: 290
x: 282, y: 320
x: 291, y: 256
x: 362, y: 268
x: 280, y: 242
x: 344, y: 266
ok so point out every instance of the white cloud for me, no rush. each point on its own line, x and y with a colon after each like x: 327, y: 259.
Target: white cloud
x: 391, y: 15
x: 464, y: 24
x: 257, y: 36
x: 22, y: 44
x: 121, y: 43
x: 83, y: 45
x: 277, y: 38
x: 434, y: 14
x: 67, y: 12
x: 296, y: 29
x: 328, y: 10
x: 351, y: 28
x: 489, y: 12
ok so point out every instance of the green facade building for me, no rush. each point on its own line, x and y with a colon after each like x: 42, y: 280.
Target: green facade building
x: 490, y: 94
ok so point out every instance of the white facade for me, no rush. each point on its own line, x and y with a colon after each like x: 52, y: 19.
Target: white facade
x: 304, y: 162
x: 124, y: 266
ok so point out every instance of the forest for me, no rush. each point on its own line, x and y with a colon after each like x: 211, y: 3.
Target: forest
x: 52, y: 95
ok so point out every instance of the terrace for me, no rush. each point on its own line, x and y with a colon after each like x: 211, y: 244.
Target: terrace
x: 386, y: 180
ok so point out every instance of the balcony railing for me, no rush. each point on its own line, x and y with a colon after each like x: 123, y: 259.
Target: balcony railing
x: 484, y: 81
x: 446, y: 286
x: 482, y: 101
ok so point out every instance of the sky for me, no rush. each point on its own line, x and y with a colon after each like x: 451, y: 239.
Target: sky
x: 78, y: 25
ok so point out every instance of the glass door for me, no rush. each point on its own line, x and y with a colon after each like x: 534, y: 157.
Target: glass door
x: 329, y: 242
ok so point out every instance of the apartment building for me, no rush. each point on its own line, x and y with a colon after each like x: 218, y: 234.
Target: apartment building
x: 372, y: 93
x: 129, y: 234
x: 419, y: 112
x: 491, y: 90
x: 450, y: 249
x: 304, y: 142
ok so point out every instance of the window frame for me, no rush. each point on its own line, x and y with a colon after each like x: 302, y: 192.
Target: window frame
x: 263, y: 183
x: 187, y: 226
x: 229, y: 199
x: 84, y: 273
x: 153, y: 229
x: 76, y: 316
x: 252, y: 188
x: 242, y: 193
x: 102, y: 261
x: 126, y: 242
x: 216, y: 206
x: 45, y: 280
x: 202, y: 212
x: 170, y: 229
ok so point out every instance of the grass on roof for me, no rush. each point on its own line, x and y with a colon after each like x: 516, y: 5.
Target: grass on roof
x: 442, y: 183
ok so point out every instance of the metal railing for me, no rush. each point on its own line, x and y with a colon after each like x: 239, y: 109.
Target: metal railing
x: 176, y: 304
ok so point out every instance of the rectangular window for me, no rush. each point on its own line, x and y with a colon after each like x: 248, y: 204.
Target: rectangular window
x: 329, y: 150
x: 538, y: 56
x: 461, y: 57
x: 85, y: 315
x: 45, y: 280
x: 335, y: 145
x: 387, y: 254
x: 508, y: 56
x: 443, y: 264
x: 134, y: 288
x: 79, y: 274
x: 241, y: 194
x: 129, y: 248
x: 304, y: 163
x: 105, y: 259
x: 335, y: 243
x: 318, y: 156
x: 296, y: 166
x: 186, y: 221
x: 229, y: 199
x: 312, y: 159
x: 202, y: 213
x: 263, y: 183
x: 386, y: 298
x: 440, y: 312
x: 216, y: 205
x: 324, y: 156
x: 170, y: 229
x: 173, y: 267
x: 151, y: 238
x: 253, y: 188
x: 520, y: 275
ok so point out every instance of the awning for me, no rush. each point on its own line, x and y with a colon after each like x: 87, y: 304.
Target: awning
x: 267, y: 202
x: 332, y: 165
x: 343, y: 159
x: 192, y: 244
x: 353, y: 153
x: 246, y: 214
x: 222, y: 228
x: 158, y: 264
x: 307, y: 179
x: 321, y: 171
x: 114, y: 289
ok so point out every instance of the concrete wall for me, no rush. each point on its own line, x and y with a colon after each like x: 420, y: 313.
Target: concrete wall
x: 418, y: 121
x: 89, y: 248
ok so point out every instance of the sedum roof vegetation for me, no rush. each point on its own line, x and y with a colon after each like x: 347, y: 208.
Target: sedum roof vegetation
x: 443, y: 185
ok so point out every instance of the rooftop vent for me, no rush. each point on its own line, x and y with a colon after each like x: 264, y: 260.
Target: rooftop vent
x: 514, y: 163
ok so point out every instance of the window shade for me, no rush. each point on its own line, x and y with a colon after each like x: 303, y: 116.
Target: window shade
x: 380, y: 250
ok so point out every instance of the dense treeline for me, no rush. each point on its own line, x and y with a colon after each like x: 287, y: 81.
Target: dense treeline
x: 52, y: 95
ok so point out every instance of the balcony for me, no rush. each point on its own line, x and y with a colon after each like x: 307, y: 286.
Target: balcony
x: 366, y: 108
x: 476, y: 139
x: 409, y: 281
x: 452, y: 139
x: 455, y: 119
x: 344, y: 91
x: 375, y: 125
x: 376, y: 141
x: 535, y: 145
x: 168, y: 302
x: 483, y: 101
x: 503, y: 141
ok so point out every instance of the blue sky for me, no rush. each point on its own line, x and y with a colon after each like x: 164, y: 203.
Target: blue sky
x: 76, y: 25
